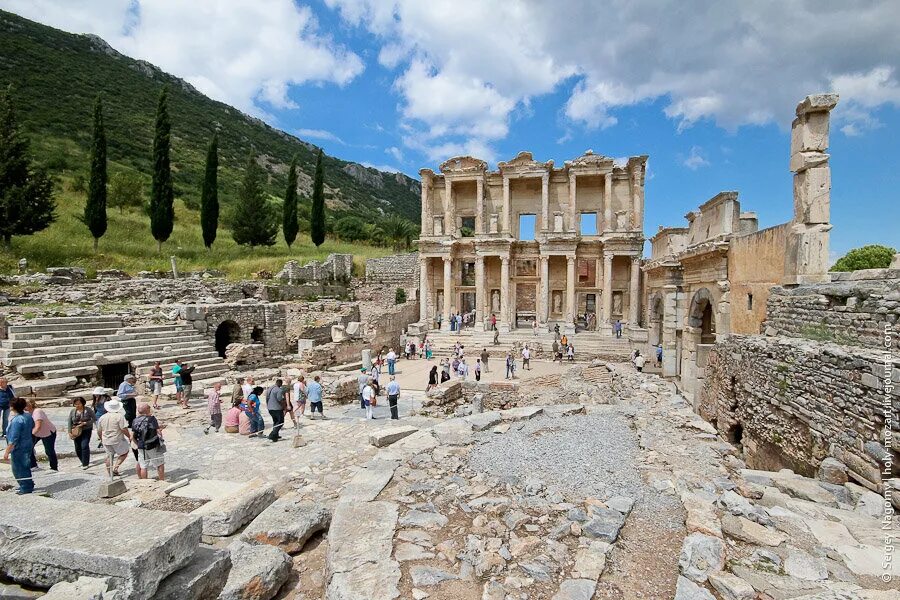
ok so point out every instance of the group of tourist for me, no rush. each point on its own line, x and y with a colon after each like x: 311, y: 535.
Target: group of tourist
x: 22, y: 432
x: 284, y: 398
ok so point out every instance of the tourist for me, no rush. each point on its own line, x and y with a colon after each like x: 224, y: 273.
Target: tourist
x: 361, y: 383
x: 452, y: 322
x: 99, y: 398
x: 429, y: 350
x: 19, y: 445
x: 151, y: 446
x: 314, y: 397
x: 300, y: 394
x: 187, y: 384
x: 275, y: 405
x: 80, y: 426
x: 113, y: 431
x: 179, y: 386
x: 494, y: 324
x: 510, y: 366
x: 617, y: 328
x: 127, y: 395
x: 534, y: 327
x: 155, y: 379
x: 556, y: 332
x: 393, y: 394
x: 232, y: 419
x: 445, y: 369
x: 247, y: 387
x: 477, y: 369
x: 368, y: 395
x: 237, y: 391
x: 659, y: 356
x: 463, y: 369
x: 526, y: 358
x: 257, y: 426
x: 484, y: 360
x: 496, y: 337
x: 437, y: 320
x: 391, y: 361
x: 376, y: 373
x: 214, y: 407
x: 422, y: 348
x: 457, y: 349
x: 639, y: 361
x: 564, y: 341
x: 458, y: 323
x: 412, y: 349
x: 289, y: 406
x: 246, y: 420
x: 555, y: 350
x: 44, y: 430
x: 570, y: 352
x: 7, y: 393
x: 432, y: 378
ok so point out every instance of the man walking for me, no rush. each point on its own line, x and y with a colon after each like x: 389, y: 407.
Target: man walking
x: 393, y: 393
x: 127, y: 395
x: 314, y: 397
x: 618, y: 328
x: 214, y: 406
x: 20, y: 445
x: 6, y: 397
x: 493, y: 322
x: 391, y: 361
x: 526, y: 358
x: 510, y: 365
x: 484, y: 360
x: 368, y: 395
x: 362, y: 381
x: 113, y: 431
x: 463, y: 369
x: 187, y: 384
x: 275, y: 406
x: 156, y: 380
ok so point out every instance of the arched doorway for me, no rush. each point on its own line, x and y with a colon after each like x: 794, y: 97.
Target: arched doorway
x: 228, y: 332
x: 702, y: 317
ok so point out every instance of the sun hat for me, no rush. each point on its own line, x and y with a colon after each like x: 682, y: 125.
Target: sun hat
x: 99, y: 391
x: 113, y: 406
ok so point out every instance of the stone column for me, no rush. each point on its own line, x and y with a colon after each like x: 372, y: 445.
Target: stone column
x: 570, y: 294
x: 506, y: 205
x: 634, y: 301
x: 479, y: 205
x: 427, y: 218
x: 544, y: 314
x: 448, y: 293
x: 608, y: 224
x: 424, y: 316
x: 607, y: 287
x: 545, y: 202
x: 449, y: 216
x: 504, y: 324
x: 637, y: 199
x: 479, y: 293
x: 573, y: 222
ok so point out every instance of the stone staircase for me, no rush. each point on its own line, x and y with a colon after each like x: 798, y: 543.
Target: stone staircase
x: 56, y: 354
x: 588, y: 344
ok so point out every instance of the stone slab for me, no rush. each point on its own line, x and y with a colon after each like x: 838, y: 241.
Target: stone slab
x: 201, y: 579
x: 388, y: 435
x: 685, y: 589
x: 360, y: 541
x: 747, y: 531
x: 369, y: 481
x: 83, y: 588
x: 111, y: 489
x: 576, y: 589
x: 485, y: 420
x: 45, y: 542
x: 259, y: 572
x: 205, y: 489
x: 227, y: 513
x: 288, y: 524
x: 521, y: 413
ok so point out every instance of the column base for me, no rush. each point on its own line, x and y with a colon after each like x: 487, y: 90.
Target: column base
x: 543, y: 328
x: 503, y: 327
x: 478, y: 325
x: 569, y: 329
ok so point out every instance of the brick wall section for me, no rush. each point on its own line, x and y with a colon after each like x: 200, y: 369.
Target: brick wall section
x: 401, y: 270
x: 849, y: 310
x: 793, y: 402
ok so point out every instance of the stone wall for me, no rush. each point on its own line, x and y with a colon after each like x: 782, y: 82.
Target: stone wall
x: 336, y: 267
x: 792, y: 403
x: 401, y: 270
x: 853, y: 309
x: 755, y: 264
x: 313, y: 320
x: 246, y: 322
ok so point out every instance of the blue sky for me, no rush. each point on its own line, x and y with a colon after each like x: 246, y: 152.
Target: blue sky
x: 706, y: 89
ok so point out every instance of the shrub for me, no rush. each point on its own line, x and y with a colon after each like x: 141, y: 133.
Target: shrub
x: 400, y: 296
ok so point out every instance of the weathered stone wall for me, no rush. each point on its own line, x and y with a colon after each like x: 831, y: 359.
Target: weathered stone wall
x: 792, y: 403
x: 853, y: 309
x: 755, y: 264
x: 264, y: 324
x: 401, y: 270
x: 336, y: 267
x: 313, y: 320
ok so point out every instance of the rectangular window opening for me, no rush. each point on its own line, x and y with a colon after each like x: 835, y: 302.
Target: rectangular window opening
x: 589, y: 223
x: 467, y: 227
x: 749, y: 301
x: 526, y: 227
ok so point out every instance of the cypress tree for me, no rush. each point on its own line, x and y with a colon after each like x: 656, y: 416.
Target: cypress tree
x: 26, y: 195
x: 289, y: 224
x: 317, y: 216
x: 209, y: 198
x: 162, y: 194
x: 95, y: 207
x: 254, y: 222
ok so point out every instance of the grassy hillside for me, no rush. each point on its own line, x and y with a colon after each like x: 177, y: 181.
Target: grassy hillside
x: 56, y: 76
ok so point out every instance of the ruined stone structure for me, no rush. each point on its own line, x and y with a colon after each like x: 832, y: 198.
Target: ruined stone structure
x: 336, y: 267
x: 241, y: 322
x: 532, y: 242
x: 712, y: 278
x: 401, y: 270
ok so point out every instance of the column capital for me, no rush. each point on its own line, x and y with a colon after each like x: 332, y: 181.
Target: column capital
x: 504, y: 260
x: 570, y: 258
x: 447, y: 259
x: 636, y: 258
x: 608, y: 257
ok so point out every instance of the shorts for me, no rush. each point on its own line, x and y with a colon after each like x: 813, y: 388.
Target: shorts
x: 155, y: 388
x: 178, y: 385
x: 151, y: 459
x: 119, y: 448
x: 231, y: 429
x: 186, y: 390
x: 215, y: 419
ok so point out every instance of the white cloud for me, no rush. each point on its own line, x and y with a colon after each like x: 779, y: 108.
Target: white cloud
x: 695, y: 159
x: 860, y: 94
x: 242, y: 52
x: 395, y: 152
x: 385, y: 168
x: 319, y: 134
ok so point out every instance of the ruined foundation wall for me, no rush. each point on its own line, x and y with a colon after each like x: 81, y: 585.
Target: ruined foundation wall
x: 265, y: 324
x: 313, y: 320
x: 755, y: 264
x: 401, y: 270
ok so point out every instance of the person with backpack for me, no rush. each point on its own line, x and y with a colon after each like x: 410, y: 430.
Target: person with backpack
x: 151, y: 448
x: 275, y: 405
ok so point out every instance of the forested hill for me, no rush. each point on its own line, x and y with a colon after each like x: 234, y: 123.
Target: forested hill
x: 56, y: 76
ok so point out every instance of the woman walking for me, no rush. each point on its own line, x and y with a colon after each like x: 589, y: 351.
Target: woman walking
x: 113, y: 431
x: 19, y: 445
x: 432, y: 378
x: 81, y: 426
x: 44, y: 430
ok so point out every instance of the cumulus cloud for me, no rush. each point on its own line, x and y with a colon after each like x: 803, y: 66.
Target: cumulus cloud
x: 695, y: 159
x: 242, y: 52
x: 395, y: 152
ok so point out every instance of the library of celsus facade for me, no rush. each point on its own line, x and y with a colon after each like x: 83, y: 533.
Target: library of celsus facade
x: 533, y: 242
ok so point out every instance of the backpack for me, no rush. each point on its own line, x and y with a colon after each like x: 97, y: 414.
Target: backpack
x: 145, y: 434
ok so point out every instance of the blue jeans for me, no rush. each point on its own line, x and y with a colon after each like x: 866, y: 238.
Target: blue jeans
x: 390, y: 366
x: 21, y: 468
x: 83, y: 446
x: 49, y: 449
x: 5, y: 412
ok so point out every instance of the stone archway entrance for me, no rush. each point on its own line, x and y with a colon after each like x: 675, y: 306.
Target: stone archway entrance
x: 699, y: 338
x: 228, y: 332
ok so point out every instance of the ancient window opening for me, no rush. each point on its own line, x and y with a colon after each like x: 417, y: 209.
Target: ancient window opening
x: 588, y: 223
x: 113, y: 374
x: 749, y: 301
x: 228, y: 332
x: 257, y: 335
x: 467, y: 275
x: 467, y: 227
x: 707, y: 326
x: 526, y: 227
x: 587, y: 272
x: 735, y: 434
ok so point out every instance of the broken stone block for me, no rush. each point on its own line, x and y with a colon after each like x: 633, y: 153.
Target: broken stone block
x: 700, y: 556
x: 604, y: 524
x: 227, y: 512
x: 368, y: 482
x: 809, y: 133
x: 201, y: 579
x: 800, y: 161
x: 111, y: 489
x: 522, y: 413
x: 83, y: 588
x: 45, y: 543
x: 817, y: 103
x: 359, y: 562
x: 685, y: 589
x: 423, y: 576
x: 806, y: 254
x: 484, y: 420
x: 747, y: 531
x: 258, y: 573
x: 288, y: 524
x: 833, y: 471
x: 297, y: 441
x: 801, y: 565
x: 576, y: 589
x: 389, y: 435
x: 812, y: 195
x: 731, y: 587
x: 14, y: 592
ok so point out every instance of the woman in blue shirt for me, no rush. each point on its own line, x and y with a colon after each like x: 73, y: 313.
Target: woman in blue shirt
x: 20, y: 445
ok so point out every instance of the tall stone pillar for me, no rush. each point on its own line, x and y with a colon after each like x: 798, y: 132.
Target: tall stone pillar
x: 806, y: 255
x: 504, y: 324
x: 608, y: 224
x: 448, y: 293
x: 570, y: 293
x: 506, y: 204
x: 449, y: 216
x: 637, y: 198
x: 634, y: 300
x: 424, y: 292
x: 573, y: 220
x: 545, y: 202
x: 544, y: 314
x: 479, y: 293
x: 607, y: 287
x: 427, y: 218
x: 479, y: 205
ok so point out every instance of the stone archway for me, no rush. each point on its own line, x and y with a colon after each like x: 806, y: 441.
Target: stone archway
x: 228, y: 332
x: 702, y: 316
x: 699, y: 338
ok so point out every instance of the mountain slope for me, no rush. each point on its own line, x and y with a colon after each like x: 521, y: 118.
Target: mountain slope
x: 56, y: 76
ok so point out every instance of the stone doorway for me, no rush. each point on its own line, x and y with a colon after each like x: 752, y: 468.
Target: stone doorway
x: 113, y: 374
x: 526, y: 304
x: 467, y: 308
x: 228, y: 332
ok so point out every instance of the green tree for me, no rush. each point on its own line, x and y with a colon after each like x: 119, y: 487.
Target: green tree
x: 209, y: 196
x: 162, y: 194
x: 317, y: 214
x: 95, y: 207
x: 126, y: 188
x: 289, y: 224
x: 399, y: 231
x: 254, y: 221
x: 872, y: 256
x: 350, y: 229
x: 26, y: 194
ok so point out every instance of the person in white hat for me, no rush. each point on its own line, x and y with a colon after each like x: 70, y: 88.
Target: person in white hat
x: 127, y: 393
x: 113, y: 431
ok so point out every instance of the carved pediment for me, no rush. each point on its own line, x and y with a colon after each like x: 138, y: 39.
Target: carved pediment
x: 463, y: 164
x: 590, y: 160
x: 524, y: 161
